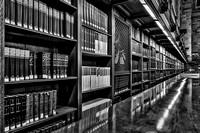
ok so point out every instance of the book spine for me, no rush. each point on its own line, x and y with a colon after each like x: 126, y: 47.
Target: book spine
x: 41, y: 16
x: 28, y: 108
x: 7, y: 64
x: 7, y: 11
x: 58, y: 23
x: 65, y: 65
x: 36, y: 15
x: 50, y: 103
x: 45, y: 25
x: 48, y: 65
x: 82, y: 38
x: 31, y: 107
x: 72, y: 27
x: 44, y: 65
x: 6, y: 113
x: 36, y: 106
x: 17, y: 64
x: 58, y: 66
x: 54, y: 101
x: 13, y: 11
x: 67, y: 25
x: 61, y: 66
x: 12, y: 113
x: 30, y: 14
x: 31, y: 66
x: 50, y: 18
x: 54, y: 21
x: 61, y: 23
x: 46, y: 104
x: 41, y: 105
x: 19, y: 12
x: 35, y: 74
x: 12, y: 64
x: 54, y: 65
x: 23, y: 110
x: 26, y: 63
x: 25, y: 13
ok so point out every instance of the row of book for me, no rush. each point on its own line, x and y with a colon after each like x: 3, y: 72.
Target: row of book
x: 136, y: 77
x: 94, y: 42
x: 95, y: 77
x: 121, y: 83
x: 145, y: 65
x: 94, y: 17
x: 37, y: 15
x: 145, y: 76
x: 153, y: 76
x: 50, y: 128
x: 153, y: 52
x: 22, y: 109
x: 153, y: 64
x: 136, y: 65
x: 23, y: 64
x: 136, y: 34
x: 136, y: 47
x: 145, y: 52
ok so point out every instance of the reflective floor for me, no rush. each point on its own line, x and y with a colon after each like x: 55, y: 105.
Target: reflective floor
x: 175, y: 109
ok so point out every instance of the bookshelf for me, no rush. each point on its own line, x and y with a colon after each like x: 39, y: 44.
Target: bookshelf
x: 82, y: 50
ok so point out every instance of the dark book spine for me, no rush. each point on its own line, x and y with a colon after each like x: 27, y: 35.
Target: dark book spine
x: 41, y: 105
x: 30, y: 14
x: 72, y: 27
x: 65, y: 65
x: 31, y: 66
x: 19, y: 12
x: 61, y: 66
x: 12, y: 64
x: 44, y: 65
x: 46, y: 104
x: 58, y: 66
x: 41, y: 16
x: 26, y: 63
x: 57, y: 23
x: 54, y: 21
x: 54, y: 65
x: 36, y: 106
x: 12, y: 113
x: 17, y: 64
x: 25, y: 13
x: 28, y: 108
x: 6, y: 114
x: 13, y: 11
x: 7, y: 11
x: 36, y: 14
x: 82, y: 38
x: 45, y: 25
x: 31, y: 107
x: 48, y: 65
x: 23, y: 110
x: 7, y: 64
x: 50, y: 20
x: 35, y: 74
x: 61, y: 24
x: 50, y: 103
x: 54, y: 103
x: 39, y: 68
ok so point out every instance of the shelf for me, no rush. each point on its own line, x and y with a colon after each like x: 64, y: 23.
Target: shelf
x: 61, y: 5
x: 36, y: 35
x: 146, y: 45
x: 61, y: 112
x: 39, y: 81
x: 122, y: 73
x: 136, y: 71
x: 146, y: 57
x: 136, y: 54
x: 92, y: 90
x: 124, y: 91
x: 95, y: 55
x: 146, y: 71
x: 137, y: 83
x: 146, y: 81
x: 99, y: 31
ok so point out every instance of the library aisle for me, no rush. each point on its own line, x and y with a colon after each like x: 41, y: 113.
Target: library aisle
x: 175, y: 110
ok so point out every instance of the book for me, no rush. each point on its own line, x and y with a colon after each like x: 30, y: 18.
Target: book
x: 12, y: 64
x: 41, y: 16
x: 25, y: 13
x: 61, y: 21
x: 7, y: 64
x: 31, y: 65
x: 17, y: 64
x: 26, y: 64
x: 72, y: 27
x: 36, y: 15
x: 7, y: 11
x: 50, y: 20
x: 30, y: 14
x: 41, y: 105
x: 19, y: 12
x: 54, y: 102
x: 13, y: 11
x: 36, y: 106
x: 45, y: 17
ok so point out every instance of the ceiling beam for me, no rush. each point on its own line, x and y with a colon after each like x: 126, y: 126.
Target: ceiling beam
x: 148, y: 26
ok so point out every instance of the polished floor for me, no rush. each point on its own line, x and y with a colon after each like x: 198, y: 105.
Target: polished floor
x: 177, y: 110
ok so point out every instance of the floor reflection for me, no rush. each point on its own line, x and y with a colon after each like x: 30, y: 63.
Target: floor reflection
x: 172, y: 106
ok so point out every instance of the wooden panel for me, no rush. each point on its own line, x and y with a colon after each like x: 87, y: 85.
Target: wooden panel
x: 1, y: 65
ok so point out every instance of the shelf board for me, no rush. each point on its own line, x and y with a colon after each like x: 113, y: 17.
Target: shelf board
x: 89, y: 54
x: 39, y: 81
x: 33, y: 34
x: 61, y: 112
x: 136, y: 71
x: 92, y: 90
x: 94, y: 29
x: 122, y: 73
x: 146, y: 70
x: 146, y: 57
x: 136, y: 40
x: 137, y: 83
x: 146, y: 81
x: 146, y: 45
x: 122, y: 92
x: 136, y: 54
